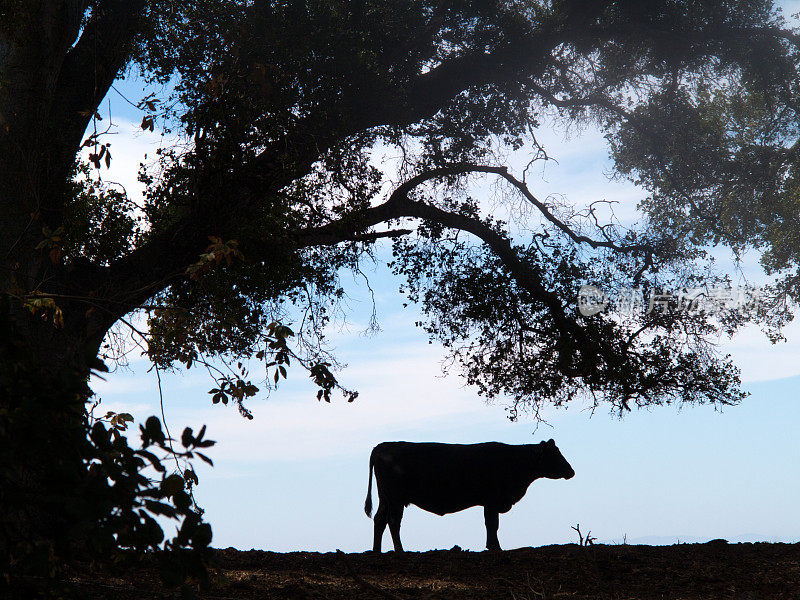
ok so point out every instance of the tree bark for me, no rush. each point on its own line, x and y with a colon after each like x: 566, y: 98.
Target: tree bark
x: 43, y: 432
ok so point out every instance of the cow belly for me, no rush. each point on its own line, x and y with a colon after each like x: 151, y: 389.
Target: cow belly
x: 444, y: 497
x: 443, y: 507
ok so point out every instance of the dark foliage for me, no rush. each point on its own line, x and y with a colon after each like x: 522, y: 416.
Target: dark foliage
x: 89, y: 495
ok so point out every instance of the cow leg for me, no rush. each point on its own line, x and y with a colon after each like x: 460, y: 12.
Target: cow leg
x: 492, y: 518
x: 395, y: 516
x: 381, y: 518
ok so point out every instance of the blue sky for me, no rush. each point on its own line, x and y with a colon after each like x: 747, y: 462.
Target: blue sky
x: 295, y: 477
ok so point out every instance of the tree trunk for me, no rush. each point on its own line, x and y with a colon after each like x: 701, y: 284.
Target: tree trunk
x: 43, y: 440
x: 49, y: 90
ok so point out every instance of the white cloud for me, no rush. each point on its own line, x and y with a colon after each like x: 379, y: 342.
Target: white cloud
x: 759, y: 359
x: 129, y: 147
x: 401, y: 392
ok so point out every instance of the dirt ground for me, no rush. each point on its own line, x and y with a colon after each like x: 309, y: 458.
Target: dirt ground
x: 619, y: 572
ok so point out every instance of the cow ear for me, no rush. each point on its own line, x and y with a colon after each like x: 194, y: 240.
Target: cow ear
x: 551, y: 442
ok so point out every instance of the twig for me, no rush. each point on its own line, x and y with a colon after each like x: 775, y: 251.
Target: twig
x: 164, y: 419
x: 580, y: 535
x: 589, y: 540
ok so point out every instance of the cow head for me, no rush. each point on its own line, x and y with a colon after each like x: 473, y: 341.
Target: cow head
x: 553, y: 463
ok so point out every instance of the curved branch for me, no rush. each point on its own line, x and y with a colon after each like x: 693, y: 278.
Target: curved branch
x: 575, y: 237
x: 527, y: 279
x: 399, y: 205
x: 576, y: 358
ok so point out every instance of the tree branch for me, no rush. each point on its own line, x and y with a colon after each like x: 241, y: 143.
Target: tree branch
x: 168, y: 252
x: 592, y: 99
x: 91, y: 66
x: 354, y: 228
x: 399, y: 205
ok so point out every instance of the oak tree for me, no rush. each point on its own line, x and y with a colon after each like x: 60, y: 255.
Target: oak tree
x: 272, y: 191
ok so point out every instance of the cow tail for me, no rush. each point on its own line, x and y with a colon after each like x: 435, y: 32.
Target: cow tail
x: 368, y: 502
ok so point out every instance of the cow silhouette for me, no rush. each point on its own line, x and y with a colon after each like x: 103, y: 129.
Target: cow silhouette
x: 447, y: 478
